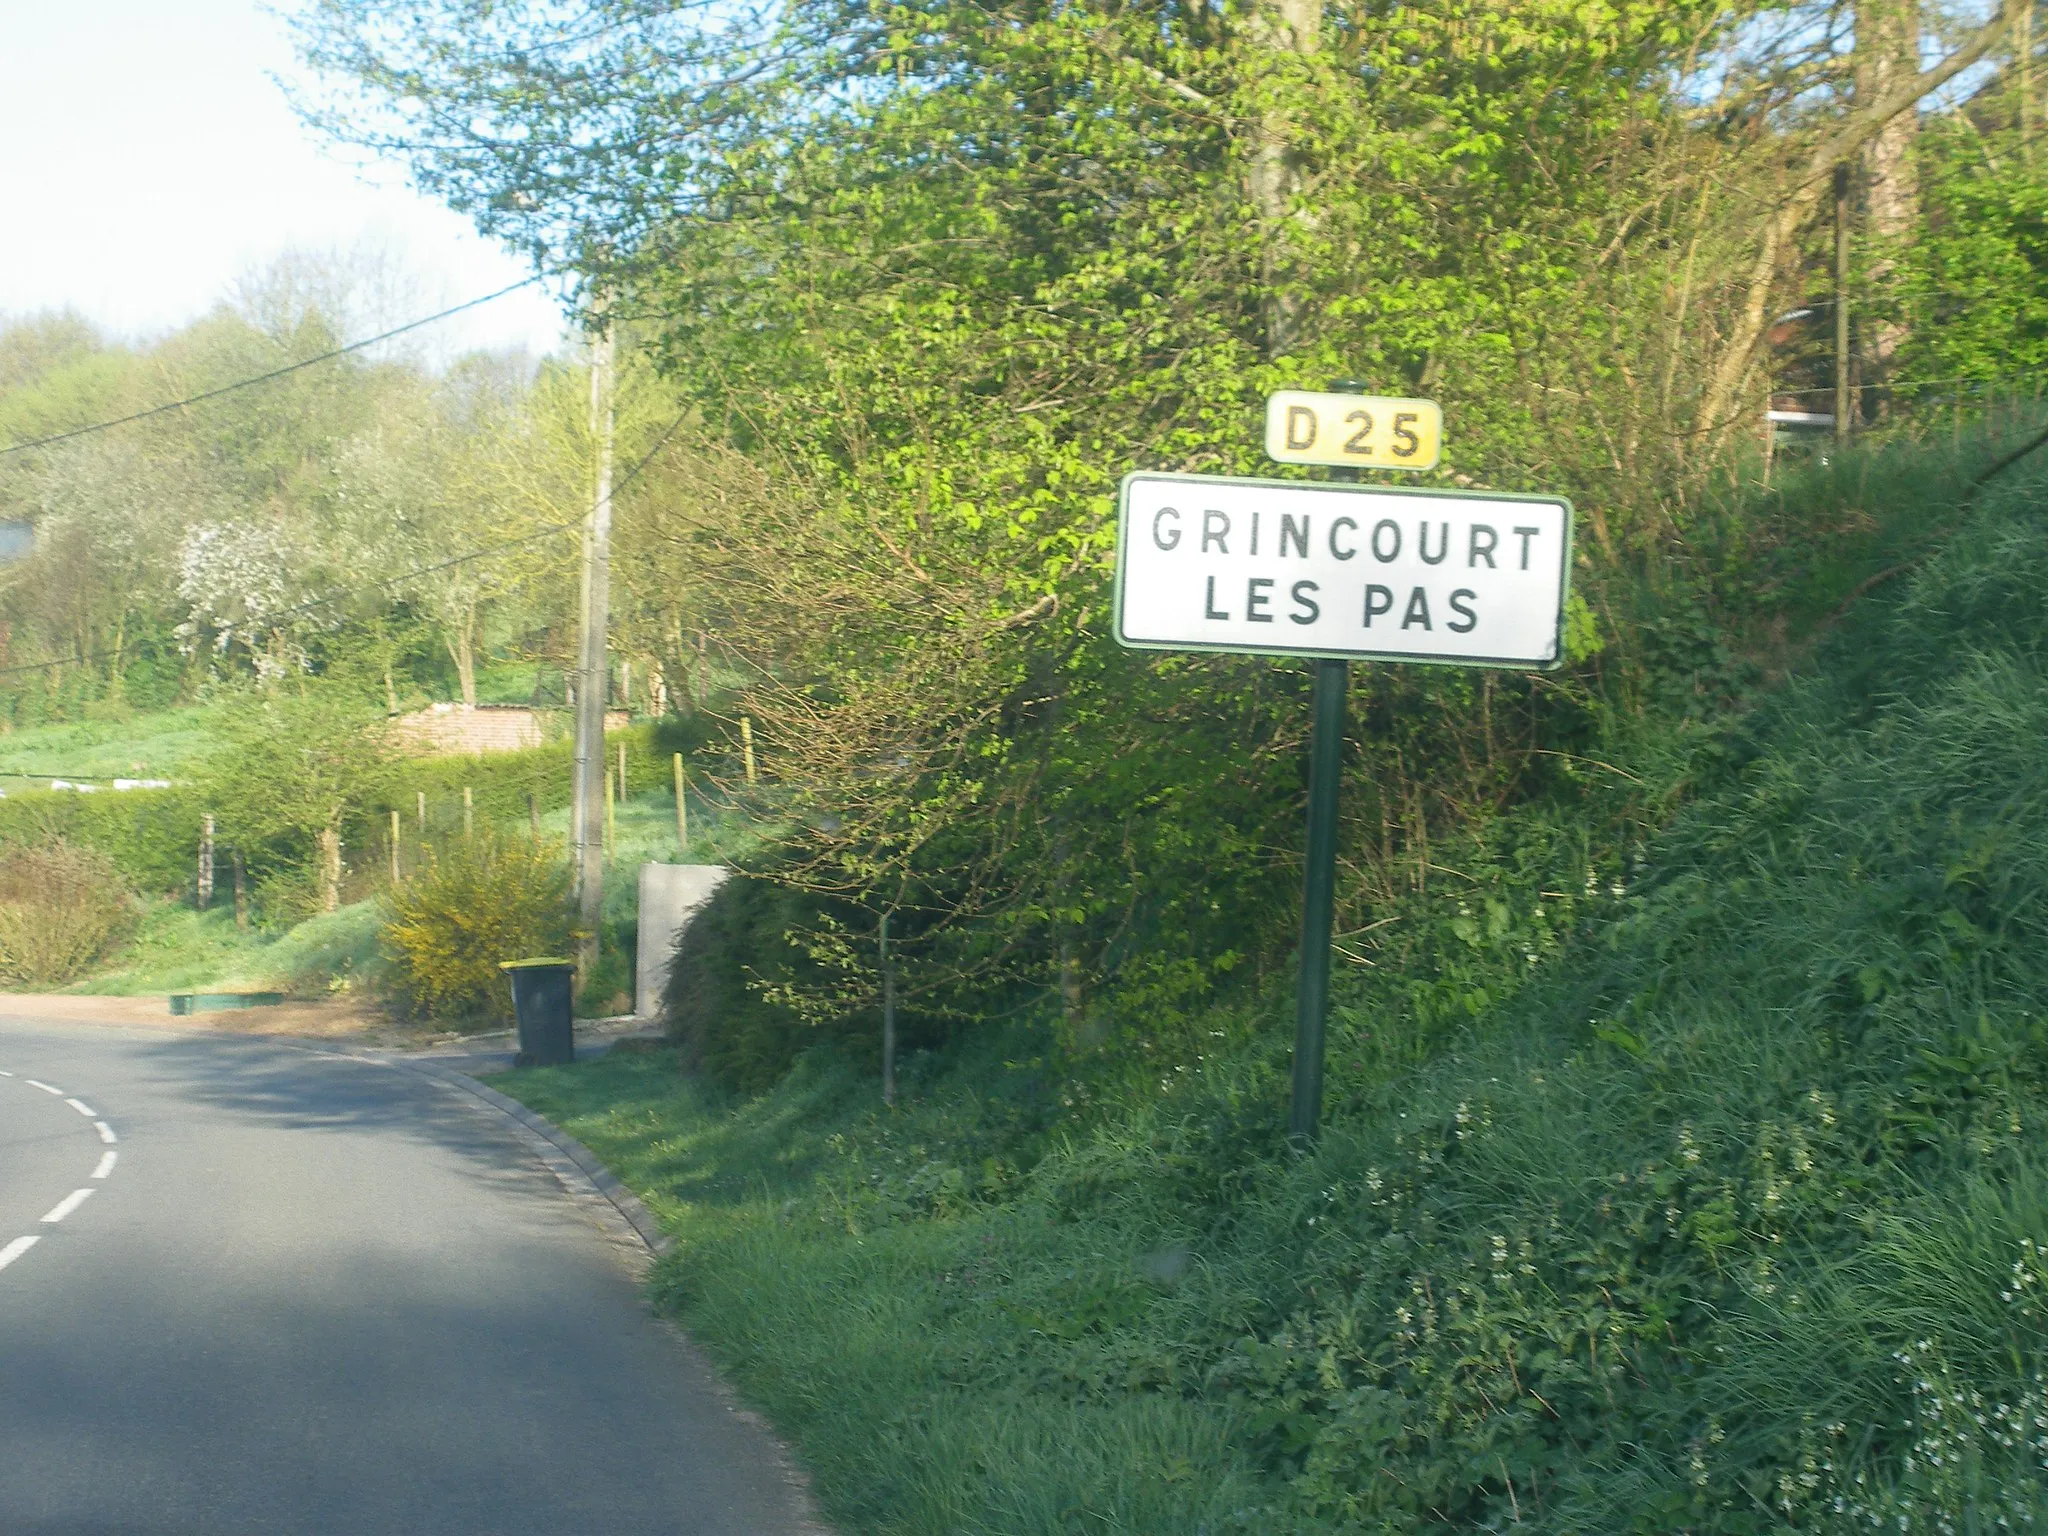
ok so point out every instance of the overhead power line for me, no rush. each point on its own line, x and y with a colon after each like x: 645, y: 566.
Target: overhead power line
x: 546, y: 530
x: 265, y: 378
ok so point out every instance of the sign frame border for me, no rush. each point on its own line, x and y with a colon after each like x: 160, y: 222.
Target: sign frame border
x: 1123, y: 508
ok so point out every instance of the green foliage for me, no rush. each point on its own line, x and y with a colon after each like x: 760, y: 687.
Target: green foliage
x: 474, y: 904
x: 1976, y: 283
x: 501, y: 783
x: 717, y: 1003
x: 61, y: 909
x: 176, y: 948
x: 151, y: 836
x: 296, y: 764
x: 330, y: 952
x: 1727, y: 1215
x: 911, y: 418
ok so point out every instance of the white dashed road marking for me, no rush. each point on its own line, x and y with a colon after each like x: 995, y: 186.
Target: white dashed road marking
x: 67, y: 1205
x: 77, y: 1197
x: 19, y: 1246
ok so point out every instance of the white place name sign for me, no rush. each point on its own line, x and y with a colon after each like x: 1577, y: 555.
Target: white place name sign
x: 1209, y: 563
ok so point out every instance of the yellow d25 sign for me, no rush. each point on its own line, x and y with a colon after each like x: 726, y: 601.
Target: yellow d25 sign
x: 1353, y: 431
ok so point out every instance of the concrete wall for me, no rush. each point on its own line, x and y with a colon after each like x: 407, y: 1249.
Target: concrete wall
x: 670, y: 895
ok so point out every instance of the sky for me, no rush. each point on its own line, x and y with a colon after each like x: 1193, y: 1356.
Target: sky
x: 151, y: 162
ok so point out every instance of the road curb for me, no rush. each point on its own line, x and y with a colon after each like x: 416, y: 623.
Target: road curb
x: 601, y: 1178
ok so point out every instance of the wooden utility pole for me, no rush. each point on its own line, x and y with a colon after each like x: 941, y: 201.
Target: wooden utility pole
x: 682, y: 811
x: 594, y: 670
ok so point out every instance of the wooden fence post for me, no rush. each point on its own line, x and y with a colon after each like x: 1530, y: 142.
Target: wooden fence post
x: 423, y: 812
x: 888, y: 1017
x: 330, y: 870
x: 241, y: 891
x: 682, y: 810
x: 205, y: 861
x: 395, y: 876
x: 468, y: 812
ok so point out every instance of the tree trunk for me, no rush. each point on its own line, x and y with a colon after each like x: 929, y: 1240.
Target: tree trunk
x: 462, y: 650
x: 115, y: 679
x: 2023, y: 59
x: 1283, y: 33
x: 1887, y: 52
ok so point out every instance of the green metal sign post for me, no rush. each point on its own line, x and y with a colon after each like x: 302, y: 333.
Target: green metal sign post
x: 1335, y: 573
x: 1319, y: 875
x: 1318, y: 898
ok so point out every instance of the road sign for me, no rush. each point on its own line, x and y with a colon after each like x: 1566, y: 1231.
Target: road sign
x: 1353, y: 431
x: 1475, y: 578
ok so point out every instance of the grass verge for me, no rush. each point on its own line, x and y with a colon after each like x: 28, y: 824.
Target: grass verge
x: 1733, y: 1219
x: 179, y: 949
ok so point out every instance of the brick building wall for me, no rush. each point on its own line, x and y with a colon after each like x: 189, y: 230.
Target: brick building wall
x: 457, y: 729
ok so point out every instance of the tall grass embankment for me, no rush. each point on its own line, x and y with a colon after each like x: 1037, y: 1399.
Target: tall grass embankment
x: 1733, y: 1219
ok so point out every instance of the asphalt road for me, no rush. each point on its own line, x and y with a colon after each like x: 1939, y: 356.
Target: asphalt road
x: 308, y: 1294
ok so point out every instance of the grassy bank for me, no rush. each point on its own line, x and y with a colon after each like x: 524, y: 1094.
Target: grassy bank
x: 179, y: 949
x: 159, y: 744
x: 1730, y: 1217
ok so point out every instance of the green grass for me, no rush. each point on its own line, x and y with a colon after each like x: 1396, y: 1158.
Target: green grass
x: 859, y: 1284
x: 179, y: 949
x: 157, y: 745
x: 1733, y: 1218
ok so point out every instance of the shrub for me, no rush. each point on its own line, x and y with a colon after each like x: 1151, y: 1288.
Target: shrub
x: 61, y: 908
x: 718, y: 1001
x: 474, y: 903
x: 152, y: 835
